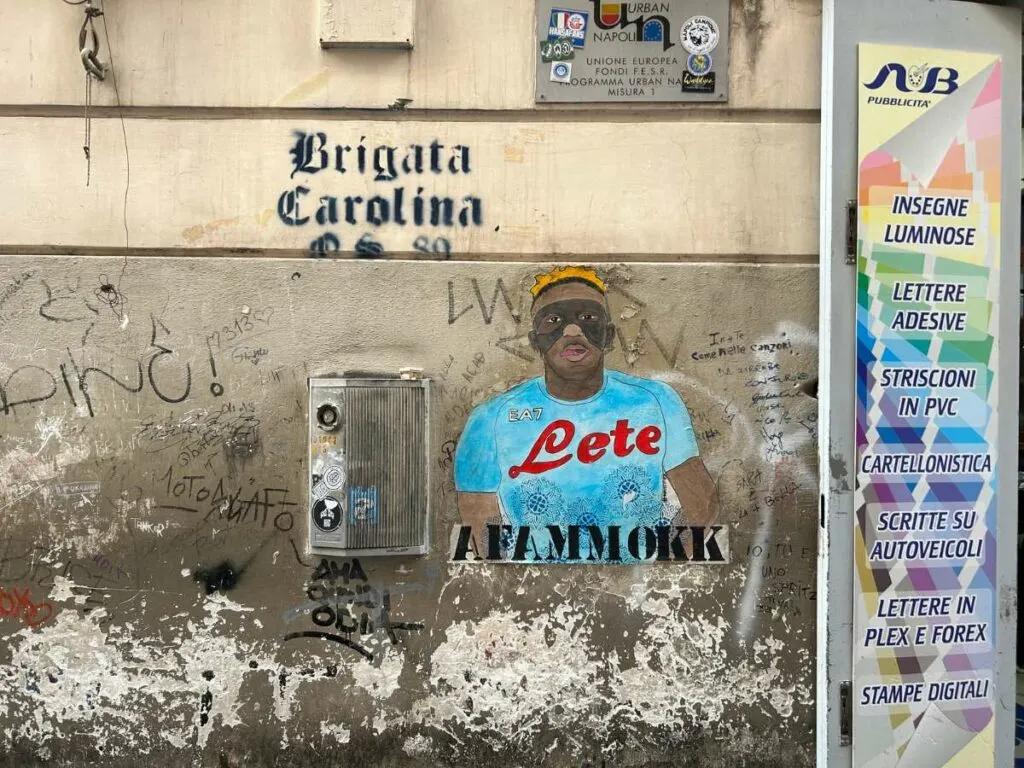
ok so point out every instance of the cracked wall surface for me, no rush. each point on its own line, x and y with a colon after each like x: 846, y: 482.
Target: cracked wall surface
x: 154, y: 531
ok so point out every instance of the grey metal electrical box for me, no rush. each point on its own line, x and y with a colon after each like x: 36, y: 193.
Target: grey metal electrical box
x: 368, y: 473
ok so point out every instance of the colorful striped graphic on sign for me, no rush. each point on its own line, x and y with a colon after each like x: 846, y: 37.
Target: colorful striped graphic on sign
x: 927, y: 367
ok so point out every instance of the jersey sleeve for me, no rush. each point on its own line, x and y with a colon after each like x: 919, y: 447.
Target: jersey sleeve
x: 476, y: 458
x: 680, y: 442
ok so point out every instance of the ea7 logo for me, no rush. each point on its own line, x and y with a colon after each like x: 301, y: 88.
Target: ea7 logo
x: 941, y: 81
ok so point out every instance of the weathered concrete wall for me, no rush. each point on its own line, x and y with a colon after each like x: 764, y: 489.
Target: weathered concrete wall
x: 605, y: 188
x: 158, y: 326
x: 129, y: 488
x: 467, y: 55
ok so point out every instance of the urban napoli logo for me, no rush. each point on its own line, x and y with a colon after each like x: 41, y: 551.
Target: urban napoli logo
x: 614, y: 20
x: 940, y: 81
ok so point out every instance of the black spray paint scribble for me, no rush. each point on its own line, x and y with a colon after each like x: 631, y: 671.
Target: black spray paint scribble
x: 220, y: 578
x: 348, y: 608
x: 224, y: 576
x: 108, y: 294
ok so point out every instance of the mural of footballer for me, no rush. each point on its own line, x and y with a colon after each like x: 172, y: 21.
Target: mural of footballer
x: 581, y: 444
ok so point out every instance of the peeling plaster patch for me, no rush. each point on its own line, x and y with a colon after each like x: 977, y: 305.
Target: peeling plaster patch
x: 505, y: 677
x: 340, y: 733
x: 74, y: 676
x: 501, y: 679
x: 417, y: 746
x: 380, y: 682
x: 671, y: 587
x: 61, y: 591
x: 215, y: 604
x: 173, y: 739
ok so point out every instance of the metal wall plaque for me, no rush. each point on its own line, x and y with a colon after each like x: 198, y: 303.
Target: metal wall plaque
x: 592, y: 51
x: 368, y: 469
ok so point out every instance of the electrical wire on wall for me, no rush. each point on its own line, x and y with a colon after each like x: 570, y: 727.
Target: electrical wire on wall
x: 89, y: 45
x: 89, y: 49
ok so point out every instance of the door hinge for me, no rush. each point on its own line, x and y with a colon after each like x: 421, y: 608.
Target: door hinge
x: 851, y: 232
x: 845, y: 715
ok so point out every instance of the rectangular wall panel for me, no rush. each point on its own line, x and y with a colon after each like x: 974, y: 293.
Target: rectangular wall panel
x: 467, y: 55
x: 419, y: 188
x: 927, y: 396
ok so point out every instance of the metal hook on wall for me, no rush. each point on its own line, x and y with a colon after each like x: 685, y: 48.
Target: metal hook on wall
x: 89, y: 43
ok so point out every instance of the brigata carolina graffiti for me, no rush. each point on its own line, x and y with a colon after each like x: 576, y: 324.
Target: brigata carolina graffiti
x: 582, y: 453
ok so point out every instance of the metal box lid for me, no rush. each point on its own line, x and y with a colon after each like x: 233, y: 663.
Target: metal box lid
x: 368, y: 472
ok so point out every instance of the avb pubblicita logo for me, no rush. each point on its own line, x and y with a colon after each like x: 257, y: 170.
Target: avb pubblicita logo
x: 939, y: 81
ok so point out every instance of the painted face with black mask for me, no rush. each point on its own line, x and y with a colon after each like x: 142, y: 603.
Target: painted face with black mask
x: 572, y: 330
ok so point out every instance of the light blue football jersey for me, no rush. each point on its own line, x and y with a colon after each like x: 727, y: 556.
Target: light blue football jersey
x: 554, y: 462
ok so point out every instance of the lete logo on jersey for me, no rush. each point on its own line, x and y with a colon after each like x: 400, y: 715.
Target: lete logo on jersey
x: 919, y: 79
x: 557, y: 436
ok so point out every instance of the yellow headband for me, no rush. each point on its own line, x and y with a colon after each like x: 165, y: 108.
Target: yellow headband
x: 562, y: 274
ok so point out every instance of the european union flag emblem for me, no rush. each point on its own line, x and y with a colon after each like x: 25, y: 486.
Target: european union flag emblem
x: 654, y: 31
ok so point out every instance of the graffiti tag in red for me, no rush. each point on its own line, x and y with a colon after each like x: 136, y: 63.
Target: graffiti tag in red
x: 18, y: 603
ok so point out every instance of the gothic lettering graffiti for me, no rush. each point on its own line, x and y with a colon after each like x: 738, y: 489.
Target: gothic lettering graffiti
x: 405, y: 197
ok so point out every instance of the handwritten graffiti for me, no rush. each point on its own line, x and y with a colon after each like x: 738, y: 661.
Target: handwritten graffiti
x: 17, y: 602
x: 633, y: 348
x: 202, y: 433
x: 11, y: 291
x: 343, y: 600
x: 486, y: 309
x: 26, y: 563
x: 222, y: 501
x: 30, y: 384
x: 109, y: 566
x: 245, y: 326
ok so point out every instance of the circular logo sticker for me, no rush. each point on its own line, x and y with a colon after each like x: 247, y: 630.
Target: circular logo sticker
x: 576, y: 22
x: 560, y: 69
x: 334, y: 478
x: 698, y: 63
x: 327, y: 513
x: 699, y: 34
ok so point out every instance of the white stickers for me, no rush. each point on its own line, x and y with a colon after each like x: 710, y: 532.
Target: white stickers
x: 334, y: 477
x: 699, y: 34
x: 561, y: 71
